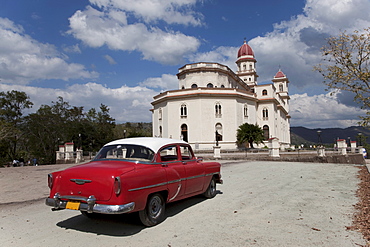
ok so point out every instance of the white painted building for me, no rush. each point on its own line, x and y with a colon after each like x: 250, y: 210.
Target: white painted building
x: 211, y: 97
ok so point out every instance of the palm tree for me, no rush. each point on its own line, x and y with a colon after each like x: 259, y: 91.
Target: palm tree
x: 249, y: 133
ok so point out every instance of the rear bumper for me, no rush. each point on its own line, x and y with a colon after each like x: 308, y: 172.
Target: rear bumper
x: 88, y: 204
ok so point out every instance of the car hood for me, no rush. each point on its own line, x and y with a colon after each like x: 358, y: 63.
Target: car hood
x: 94, y: 178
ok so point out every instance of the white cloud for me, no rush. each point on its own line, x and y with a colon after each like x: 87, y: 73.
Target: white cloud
x: 72, y: 49
x: 109, y: 26
x: 110, y: 59
x: 223, y: 54
x: 322, y: 111
x: 166, y: 82
x: 170, y: 11
x: 295, y: 44
x: 126, y: 104
x: 23, y: 59
x: 332, y: 15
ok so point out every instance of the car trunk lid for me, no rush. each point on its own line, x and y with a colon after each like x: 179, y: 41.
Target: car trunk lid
x: 94, y: 178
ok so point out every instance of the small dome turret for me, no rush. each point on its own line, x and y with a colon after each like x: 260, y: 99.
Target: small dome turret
x: 245, y: 50
x: 279, y: 74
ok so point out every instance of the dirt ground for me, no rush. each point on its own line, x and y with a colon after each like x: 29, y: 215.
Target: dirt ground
x: 259, y: 204
x: 361, y: 218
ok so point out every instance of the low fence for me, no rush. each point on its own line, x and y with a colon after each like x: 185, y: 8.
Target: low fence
x: 307, y: 155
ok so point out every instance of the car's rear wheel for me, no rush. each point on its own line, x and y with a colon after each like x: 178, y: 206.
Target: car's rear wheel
x: 211, y: 190
x: 154, y: 210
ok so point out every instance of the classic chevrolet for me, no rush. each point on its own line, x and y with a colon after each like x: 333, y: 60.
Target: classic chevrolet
x: 134, y: 175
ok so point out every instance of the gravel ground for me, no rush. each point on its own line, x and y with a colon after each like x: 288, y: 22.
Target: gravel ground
x: 259, y: 204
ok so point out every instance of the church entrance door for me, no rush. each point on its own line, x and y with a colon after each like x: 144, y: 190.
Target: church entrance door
x: 184, y: 132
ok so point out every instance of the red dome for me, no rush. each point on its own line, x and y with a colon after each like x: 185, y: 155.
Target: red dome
x: 245, y: 50
x: 279, y: 74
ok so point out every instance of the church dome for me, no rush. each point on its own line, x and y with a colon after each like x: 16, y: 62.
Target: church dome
x: 245, y: 50
x: 279, y: 74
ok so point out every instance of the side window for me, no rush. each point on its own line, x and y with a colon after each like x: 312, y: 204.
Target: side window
x: 183, y: 111
x: 265, y: 114
x: 160, y: 114
x: 218, y: 110
x: 168, y: 153
x: 186, y: 153
x: 245, y: 110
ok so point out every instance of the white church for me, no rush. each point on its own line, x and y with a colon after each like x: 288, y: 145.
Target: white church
x: 212, y: 98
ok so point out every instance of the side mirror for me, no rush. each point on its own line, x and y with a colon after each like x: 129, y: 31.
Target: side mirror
x: 199, y: 159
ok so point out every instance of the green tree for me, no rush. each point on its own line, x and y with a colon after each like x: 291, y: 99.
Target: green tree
x: 132, y: 130
x: 48, y: 127
x: 346, y: 66
x: 101, y: 127
x: 249, y: 133
x: 43, y: 130
x: 12, y: 105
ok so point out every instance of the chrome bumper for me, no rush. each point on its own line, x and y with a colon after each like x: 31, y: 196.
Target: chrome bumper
x: 59, y: 202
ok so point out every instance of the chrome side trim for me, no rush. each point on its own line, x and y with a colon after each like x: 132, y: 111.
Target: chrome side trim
x: 149, y: 186
x: 173, y: 181
x: 177, y: 192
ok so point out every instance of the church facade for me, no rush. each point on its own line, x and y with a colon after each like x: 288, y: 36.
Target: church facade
x: 212, y: 100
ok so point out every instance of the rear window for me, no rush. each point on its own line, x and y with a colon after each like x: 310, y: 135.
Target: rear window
x: 186, y: 153
x: 130, y: 152
x: 168, y: 153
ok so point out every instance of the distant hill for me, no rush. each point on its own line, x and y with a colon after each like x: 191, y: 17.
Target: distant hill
x: 300, y: 135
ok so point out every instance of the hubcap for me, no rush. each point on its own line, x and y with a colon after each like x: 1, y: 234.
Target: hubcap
x: 155, y: 207
x: 213, y: 186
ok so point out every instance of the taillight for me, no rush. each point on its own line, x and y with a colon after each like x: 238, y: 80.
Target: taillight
x: 117, y: 185
x: 50, y: 180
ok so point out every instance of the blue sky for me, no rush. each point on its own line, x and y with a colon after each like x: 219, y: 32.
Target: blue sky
x: 123, y: 52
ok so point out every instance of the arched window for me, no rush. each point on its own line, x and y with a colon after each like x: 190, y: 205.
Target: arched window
x: 183, y: 111
x: 266, y: 132
x: 194, y: 86
x: 222, y: 86
x: 245, y: 110
x: 265, y: 114
x: 264, y: 92
x: 209, y: 85
x: 182, y: 87
x: 218, y: 132
x: 281, y: 88
x: 218, y: 111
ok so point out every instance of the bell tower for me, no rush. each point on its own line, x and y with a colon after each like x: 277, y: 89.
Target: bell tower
x: 246, y: 63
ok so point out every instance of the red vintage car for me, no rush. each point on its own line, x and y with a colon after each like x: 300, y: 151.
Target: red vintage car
x: 134, y: 175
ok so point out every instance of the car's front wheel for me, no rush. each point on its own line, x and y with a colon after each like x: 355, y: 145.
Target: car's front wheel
x: 154, y: 210
x: 211, y: 190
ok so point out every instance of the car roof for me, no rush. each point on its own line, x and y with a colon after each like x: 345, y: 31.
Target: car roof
x: 154, y: 143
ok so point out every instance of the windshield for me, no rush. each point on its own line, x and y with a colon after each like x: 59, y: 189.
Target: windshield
x: 122, y: 151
